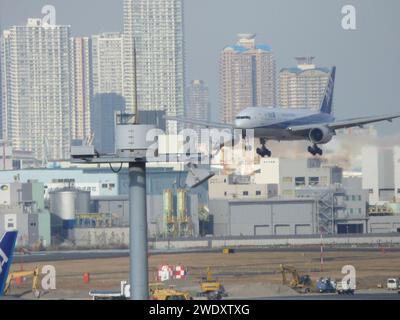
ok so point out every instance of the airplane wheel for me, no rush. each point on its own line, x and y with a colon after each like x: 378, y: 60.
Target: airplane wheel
x: 263, y: 152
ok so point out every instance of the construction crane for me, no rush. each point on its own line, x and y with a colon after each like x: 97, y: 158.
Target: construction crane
x: 300, y: 283
x: 24, y: 274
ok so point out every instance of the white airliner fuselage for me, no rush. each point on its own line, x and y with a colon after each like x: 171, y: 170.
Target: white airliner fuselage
x: 273, y: 123
x: 286, y: 124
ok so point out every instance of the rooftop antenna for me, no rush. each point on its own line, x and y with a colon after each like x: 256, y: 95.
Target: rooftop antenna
x: 135, y: 107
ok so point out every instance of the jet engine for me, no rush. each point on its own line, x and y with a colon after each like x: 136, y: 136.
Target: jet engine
x: 320, y: 135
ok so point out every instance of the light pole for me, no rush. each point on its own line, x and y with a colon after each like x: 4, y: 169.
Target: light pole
x: 131, y: 147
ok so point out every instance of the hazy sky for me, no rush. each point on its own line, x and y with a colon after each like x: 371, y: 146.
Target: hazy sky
x: 367, y: 60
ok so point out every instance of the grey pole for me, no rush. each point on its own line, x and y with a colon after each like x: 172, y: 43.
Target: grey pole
x: 138, y: 231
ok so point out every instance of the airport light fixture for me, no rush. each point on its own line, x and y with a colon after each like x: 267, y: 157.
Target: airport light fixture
x: 131, y: 147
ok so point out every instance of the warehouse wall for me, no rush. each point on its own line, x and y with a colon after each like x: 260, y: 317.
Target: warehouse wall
x: 297, y: 217
x: 384, y: 224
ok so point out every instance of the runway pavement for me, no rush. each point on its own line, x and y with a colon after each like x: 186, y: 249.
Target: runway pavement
x: 44, y: 256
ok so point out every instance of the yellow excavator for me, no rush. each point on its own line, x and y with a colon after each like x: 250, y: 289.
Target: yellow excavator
x: 211, y: 288
x: 300, y: 283
x: 34, y: 274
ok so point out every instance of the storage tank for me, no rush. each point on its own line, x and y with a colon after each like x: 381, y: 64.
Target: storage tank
x: 65, y: 203
x: 168, y: 211
x: 181, y: 204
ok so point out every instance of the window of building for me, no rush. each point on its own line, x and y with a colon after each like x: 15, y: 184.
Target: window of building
x: 112, y: 185
x: 353, y: 198
x: 258, y: 193
x: 287, y: 193
x: 287, y: 180
x: 245, y: 193
x: 351, y: 211
x: 346, y: 198
x: 359, y: 198
x: 313, y: 181
x: 225, y: 193
x: 324, y: 180
x: 300, y: 181
x: 371, y: 191
x: 104, y: 185
x: 398, y: 190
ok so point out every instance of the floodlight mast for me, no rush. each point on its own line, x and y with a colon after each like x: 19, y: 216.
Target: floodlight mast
x: 130, y: 147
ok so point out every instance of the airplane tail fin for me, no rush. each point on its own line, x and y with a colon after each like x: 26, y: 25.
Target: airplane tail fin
x: 7, y: 244
x: 327, y: 101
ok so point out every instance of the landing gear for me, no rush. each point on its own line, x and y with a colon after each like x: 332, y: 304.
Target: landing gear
x: 263, y: 151
x: 315, y: 150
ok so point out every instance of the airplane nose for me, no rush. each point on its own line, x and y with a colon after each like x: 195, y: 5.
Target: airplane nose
x: 238, y: 123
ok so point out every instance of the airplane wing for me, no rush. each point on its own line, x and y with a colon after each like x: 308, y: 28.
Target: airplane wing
x: 348, y: 123
x: 206, y: 124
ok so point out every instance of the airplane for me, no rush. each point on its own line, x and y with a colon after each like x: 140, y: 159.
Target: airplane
x: 291, y: 124
x: 7, y: 245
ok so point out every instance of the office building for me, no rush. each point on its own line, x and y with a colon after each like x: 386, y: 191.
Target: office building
x: 36, y: 89
x: 304, y: 85
x: 247, y: 77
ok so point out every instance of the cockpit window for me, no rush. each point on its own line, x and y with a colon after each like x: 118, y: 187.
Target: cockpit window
x: 243, y: 118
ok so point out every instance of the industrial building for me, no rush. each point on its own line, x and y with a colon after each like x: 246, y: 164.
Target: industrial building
x: 232, y: 187
x: 22, y: 207
x: 396, y: 154
x: 261, y: 218
x: 290, y: 174
x: 378, y: 173
x: 354, y: 218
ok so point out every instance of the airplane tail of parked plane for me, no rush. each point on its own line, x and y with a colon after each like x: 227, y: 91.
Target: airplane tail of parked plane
x: 326, y: 104
x: 7, y: 244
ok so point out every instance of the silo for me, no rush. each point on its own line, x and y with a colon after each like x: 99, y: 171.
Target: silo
x: 66, y: 203
x: 181, y: 205
x: 168, y: 211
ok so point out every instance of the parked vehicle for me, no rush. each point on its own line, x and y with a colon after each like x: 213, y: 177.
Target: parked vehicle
x: 393, y: 283
x: 326, y: 285
x: 345, y: 287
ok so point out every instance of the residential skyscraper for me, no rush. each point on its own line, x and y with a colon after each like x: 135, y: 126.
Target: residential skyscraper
x: 157, y: 29
x: 247, y: 77
x: 81, y: 86
x: 108, y: 87
x: 304, y: 85
x: 108, y: 63
x: 36, y: 89
x: 197, y: 101
x: 129, y: 58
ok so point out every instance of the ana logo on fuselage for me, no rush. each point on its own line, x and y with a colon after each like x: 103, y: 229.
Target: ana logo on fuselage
x: 4, y: 260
